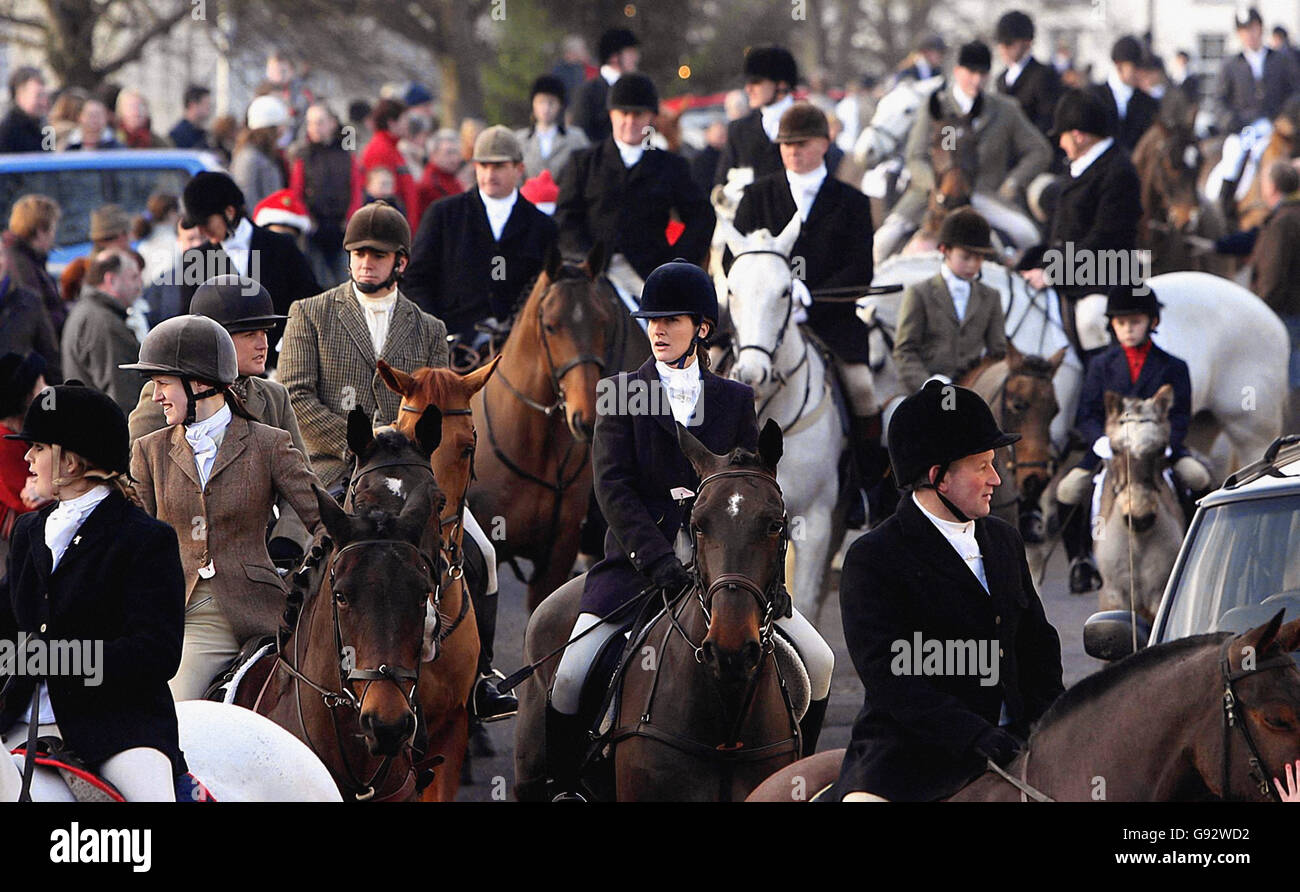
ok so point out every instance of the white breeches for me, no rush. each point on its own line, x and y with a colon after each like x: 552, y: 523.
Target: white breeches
x: 476, y: 533
x: 141, y: 774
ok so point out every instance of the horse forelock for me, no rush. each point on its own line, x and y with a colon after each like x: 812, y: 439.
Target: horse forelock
x: 1090, y: 689
x: 442, y: 388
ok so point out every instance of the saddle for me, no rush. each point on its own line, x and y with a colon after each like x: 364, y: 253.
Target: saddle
x: 88, y: 786
x: 226, y: 683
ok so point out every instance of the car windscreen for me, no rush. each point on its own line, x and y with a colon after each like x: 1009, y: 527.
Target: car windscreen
x: 1242, y: 565
x: 78, y: 192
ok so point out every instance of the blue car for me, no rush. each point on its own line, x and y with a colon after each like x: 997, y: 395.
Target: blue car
x: 83, y: 181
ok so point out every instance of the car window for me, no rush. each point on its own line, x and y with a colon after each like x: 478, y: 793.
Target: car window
x: 1242, y: 566
x: 79, y: 192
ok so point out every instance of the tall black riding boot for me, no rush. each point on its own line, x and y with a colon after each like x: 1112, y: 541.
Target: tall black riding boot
x: 487, y: 703
x: 810, y: 726
x: 871, y: 461
x: 565, y: 736
x: 1076, y: 533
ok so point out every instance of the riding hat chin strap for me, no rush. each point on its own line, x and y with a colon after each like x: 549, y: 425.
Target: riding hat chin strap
x: 947, y: 503
x: 680, y: 362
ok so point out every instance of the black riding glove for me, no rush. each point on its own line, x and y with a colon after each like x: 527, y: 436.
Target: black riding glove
x: 669, y: 574
x: 997, y: 745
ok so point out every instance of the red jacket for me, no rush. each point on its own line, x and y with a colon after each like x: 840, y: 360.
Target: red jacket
x: 382, y: 151
x: 298, y: 185
x: 437, y: 183
x: 13, y: 477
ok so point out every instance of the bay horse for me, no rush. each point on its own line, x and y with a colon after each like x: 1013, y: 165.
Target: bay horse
x: 703, y: 712
x: 1139, y: 525
x: 1201, y: 718
x: 365, y: 619
x: 1019, y: 391
x: 538, y: 412
x: 955, y: 161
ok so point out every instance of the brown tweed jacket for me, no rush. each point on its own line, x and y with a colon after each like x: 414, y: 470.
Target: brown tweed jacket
x: 328, y: 365
x: 268, y: 402
x: 226, y: 520
x: 932, y: 341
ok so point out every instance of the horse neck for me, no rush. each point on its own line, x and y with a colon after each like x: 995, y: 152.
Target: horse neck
x: 523, y: 356
x: 987, y: 379
x: 1140, y: 740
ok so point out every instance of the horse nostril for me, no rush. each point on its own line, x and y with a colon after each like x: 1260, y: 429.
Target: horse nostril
x: 710, y: 654
x: 753, y: 650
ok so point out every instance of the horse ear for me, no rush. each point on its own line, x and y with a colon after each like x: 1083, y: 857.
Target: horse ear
x: 727, y: 231
x: 336, y: 520
x: 553, y: 262
x: 771, y: 444
x: 1014, y: 356
x: 785, y: 241
x: 1163, y: 399
x: 1288, y: 637
x: 933, y: 105
x: 428, y: 430
x: 476, y: 379
x: 1261, y: 638
x: 597, y: 260
x: 701, y: 459
x: 1114, y: 403
x: 360, y: 433
x: 416, y: 512
x: 395, y: 379
x: 1057, y: 358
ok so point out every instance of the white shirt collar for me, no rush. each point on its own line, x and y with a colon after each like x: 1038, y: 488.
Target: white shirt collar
x: 1122, y: 91
x: 67, y: 517
x: 241, y: 237
x: 374, y: 303
x: 683, y: 387
x: 804, y: 188
x: 630, y: 154
x: 610, y: 74
x: 964, y: 102
x: 498, y: 211
x: 209, y: 426
x: 1084, y: 161
x: 771, y: 115
x: 961, y: 536
x: 1256, y: 60
x: 923, y: 68
x: 1013, y: 71
x: 958, y: 288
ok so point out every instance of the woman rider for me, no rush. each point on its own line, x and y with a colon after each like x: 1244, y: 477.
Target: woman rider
x: 641, y: 474
x: 94, y: 569
x: 214, y: 475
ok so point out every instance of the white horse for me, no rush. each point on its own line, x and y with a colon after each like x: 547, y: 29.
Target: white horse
x: 789, y: 378
x: 1239, y: 372
x: 891, y: 123
x: 239, y: 756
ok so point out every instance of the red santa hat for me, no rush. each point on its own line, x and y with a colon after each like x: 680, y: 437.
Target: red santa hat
x: 282, y: 208
x: 542, y: 191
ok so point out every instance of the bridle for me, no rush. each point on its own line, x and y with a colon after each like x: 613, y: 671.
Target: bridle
x: 451, y: 541
x: 1232, y: 702
x: 556, y: 375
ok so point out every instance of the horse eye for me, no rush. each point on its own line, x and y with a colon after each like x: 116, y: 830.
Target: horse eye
x: 1279, y: 722
x: 467, y: 451
x: 551, y: 329
x: 341, y: 599
x: 776, y: 527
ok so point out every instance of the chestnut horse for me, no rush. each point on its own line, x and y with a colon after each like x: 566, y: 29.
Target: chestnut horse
x: 704, y: 712
x: 1207, y: 717
x: 367, y: 622
x: 537, y: 414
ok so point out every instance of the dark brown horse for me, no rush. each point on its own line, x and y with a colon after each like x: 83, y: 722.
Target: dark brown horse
x: 344, y: 679
x: 536, y: 415
x: 1019, y: 390
x: 954, y: 159
x: 703, y: 712
x: 1209, y: 717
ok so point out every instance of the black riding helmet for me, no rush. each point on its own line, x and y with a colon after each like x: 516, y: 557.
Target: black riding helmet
x: 938, y: 425
x: 774, y: 63
x: 211, y: 192
x: 79, y: 419
x: 237, y: 303
x: 680, y: 288
x: 1125, y: 300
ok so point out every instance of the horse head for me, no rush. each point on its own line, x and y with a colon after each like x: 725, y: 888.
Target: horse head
x: 380, y: 584
x: 891, y: 122
x: 1028, y: 405
x: 1138, y: 431
x: 390, y: 464
x: 450, y: 393
x: 761, y: 301
x: 1266, y: 703
x: 566, y: 323
x: 738, y: 525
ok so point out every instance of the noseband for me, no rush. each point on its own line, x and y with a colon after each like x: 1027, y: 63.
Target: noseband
x: 556, y: 375
x: 1232, y: 703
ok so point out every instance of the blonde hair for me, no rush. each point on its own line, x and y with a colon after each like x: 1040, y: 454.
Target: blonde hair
x: 84, y: 470
x: 31, y: 214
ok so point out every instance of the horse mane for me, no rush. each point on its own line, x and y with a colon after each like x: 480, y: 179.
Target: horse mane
x: 1100, y: 683
x: 567, y: 272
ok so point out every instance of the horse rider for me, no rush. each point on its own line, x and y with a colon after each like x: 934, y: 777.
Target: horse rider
x: 332, y: 343
x: 244, y: 309
x: 233, y: 244
x: 1134, y: 367
x: 94, y: 569
x: 621, y: 192
x: 940, y: 572
x: 834, y: 245
x: 1097, y: 209
x: 640, y: 475
x: 1255, y: 82
x: 1129, y: 108
x: 548, y: 143
x: 620, y: 53
x: 476, y: 254
x: 1010, y: 151
x: 950, y: 321
x: 214, y: 475
x: 1036, y: 86
x: 771, y: 75
x: 927, y: 61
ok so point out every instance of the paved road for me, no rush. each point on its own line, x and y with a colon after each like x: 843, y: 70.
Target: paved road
x: 493, y: 776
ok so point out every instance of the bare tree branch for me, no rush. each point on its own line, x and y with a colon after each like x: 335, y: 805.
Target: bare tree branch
x: 135, y: 48
x: 21, y: 21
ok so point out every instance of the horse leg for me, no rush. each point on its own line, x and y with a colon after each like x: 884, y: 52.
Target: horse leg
x: 451, y: 740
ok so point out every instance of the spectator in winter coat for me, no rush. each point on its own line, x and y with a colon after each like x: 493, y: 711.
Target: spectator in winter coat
x: 20, y: 130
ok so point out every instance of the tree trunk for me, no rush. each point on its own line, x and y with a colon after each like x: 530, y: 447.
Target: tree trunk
x: 69, y: 42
